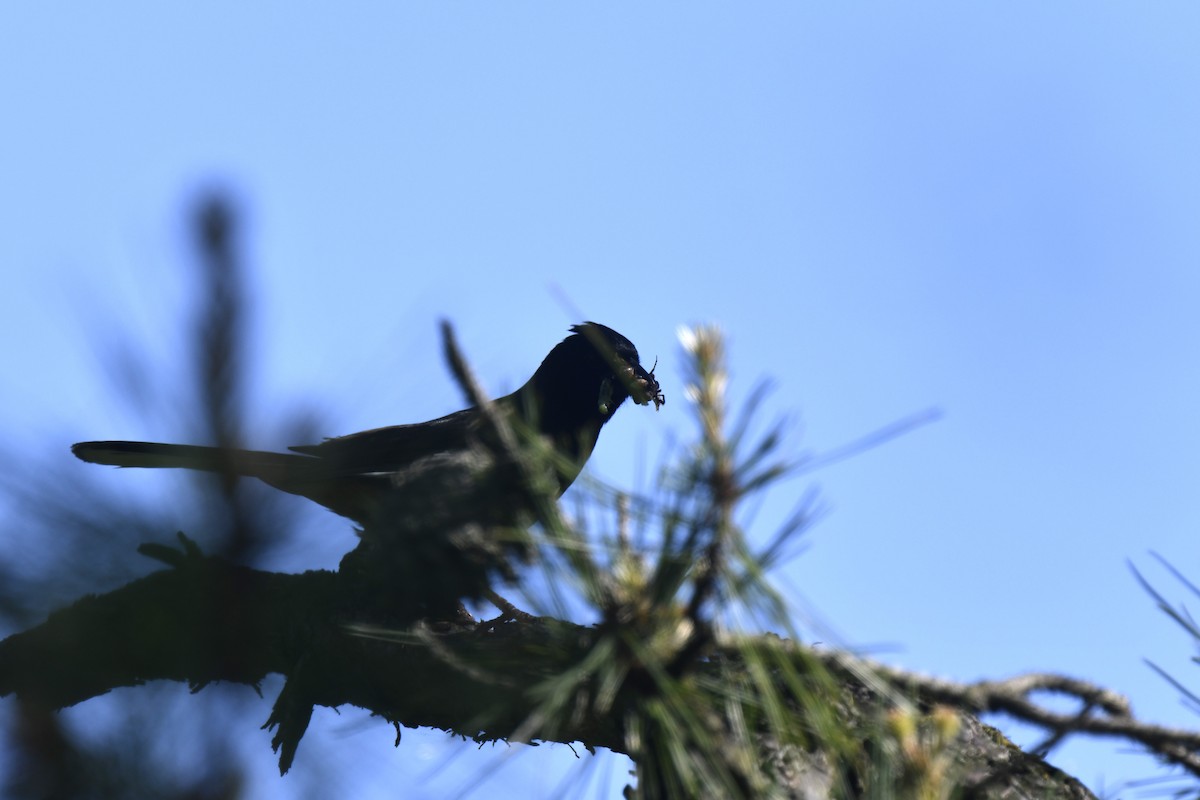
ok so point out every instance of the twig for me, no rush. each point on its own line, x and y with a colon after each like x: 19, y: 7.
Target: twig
x: 1104, y: 712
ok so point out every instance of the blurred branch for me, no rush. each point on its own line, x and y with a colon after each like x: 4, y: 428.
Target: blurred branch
x: 67, y: 543
x: 220, y: 362
x: 872, y: 440
x: 220, y: 329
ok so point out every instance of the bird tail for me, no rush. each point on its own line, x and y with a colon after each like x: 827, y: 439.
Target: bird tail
x: 254, y: 463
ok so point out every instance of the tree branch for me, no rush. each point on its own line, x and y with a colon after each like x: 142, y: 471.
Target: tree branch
x: 1103, y: 712
x: 485, y: 682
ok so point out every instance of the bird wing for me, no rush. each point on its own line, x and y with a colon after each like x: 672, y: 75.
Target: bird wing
x: 394, y: 447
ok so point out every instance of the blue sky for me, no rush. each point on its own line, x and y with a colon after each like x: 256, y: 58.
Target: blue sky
x: 988, y: 209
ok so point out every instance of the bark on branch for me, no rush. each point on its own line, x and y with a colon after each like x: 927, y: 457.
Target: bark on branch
x: 205, y: 619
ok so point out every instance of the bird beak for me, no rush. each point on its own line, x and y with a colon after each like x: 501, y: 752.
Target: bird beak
x: 644, y: 388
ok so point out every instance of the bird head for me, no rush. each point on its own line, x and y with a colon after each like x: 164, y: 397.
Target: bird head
x: 588, y: 375
x: 616, y: 360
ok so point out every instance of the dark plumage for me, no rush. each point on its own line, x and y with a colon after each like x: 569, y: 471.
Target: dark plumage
x: 448, y: 466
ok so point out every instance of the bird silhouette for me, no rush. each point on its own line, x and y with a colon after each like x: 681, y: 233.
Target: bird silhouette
x: 453, y: 467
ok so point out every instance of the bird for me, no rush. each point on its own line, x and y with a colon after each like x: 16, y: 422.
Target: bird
x: 452, y: 468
